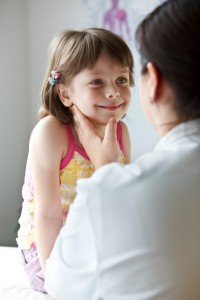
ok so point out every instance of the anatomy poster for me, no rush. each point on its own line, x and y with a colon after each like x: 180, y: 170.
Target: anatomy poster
x: 119, y: 16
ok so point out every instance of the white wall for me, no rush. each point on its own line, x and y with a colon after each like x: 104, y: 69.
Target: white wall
x: 14, y: 121
x: 45, y: 18
x: 26, y: 29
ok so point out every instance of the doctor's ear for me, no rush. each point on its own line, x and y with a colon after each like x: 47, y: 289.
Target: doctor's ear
x: 155, y: 84
x: 64, y: 94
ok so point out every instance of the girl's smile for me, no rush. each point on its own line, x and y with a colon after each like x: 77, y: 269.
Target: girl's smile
x: 110, y: 107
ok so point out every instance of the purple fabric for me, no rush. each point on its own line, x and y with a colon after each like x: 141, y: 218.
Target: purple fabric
x: 31, y: 263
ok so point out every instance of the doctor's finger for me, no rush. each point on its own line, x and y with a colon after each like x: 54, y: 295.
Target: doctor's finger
x: 111, y: 131
x: 82, y: 125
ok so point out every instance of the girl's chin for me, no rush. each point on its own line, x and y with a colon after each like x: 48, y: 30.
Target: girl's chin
x: 103, y: 122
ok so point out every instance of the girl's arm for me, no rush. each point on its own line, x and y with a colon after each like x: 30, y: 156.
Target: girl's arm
x: 46, y: 152
x: 126, y: 142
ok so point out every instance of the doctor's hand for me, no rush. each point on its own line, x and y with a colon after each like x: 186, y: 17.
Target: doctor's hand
x: 101, y: 150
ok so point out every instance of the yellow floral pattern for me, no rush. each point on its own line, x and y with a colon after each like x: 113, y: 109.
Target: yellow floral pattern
x: 78, y: 167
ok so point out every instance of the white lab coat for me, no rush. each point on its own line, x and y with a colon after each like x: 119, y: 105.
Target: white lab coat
x: 133, y: 232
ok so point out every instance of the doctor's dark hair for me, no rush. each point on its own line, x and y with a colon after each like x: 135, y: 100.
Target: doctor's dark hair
x: 72, y: 51
x: 169, y: 37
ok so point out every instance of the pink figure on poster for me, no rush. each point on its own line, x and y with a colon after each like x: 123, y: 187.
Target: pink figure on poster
x: 115, y: 19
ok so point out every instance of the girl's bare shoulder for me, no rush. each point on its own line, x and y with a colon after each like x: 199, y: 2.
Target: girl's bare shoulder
x: 49, y: 131
x: 49, y: 125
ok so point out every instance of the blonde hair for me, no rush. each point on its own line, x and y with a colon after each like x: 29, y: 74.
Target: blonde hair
x: 70, y: 53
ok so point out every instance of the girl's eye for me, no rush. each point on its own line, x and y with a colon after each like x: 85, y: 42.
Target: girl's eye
x: 96, y: 81
x: 122, y: 80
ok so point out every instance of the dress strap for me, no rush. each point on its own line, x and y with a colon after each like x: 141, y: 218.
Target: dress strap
x: 69, y: 134
x: 119, y: 136
x: 71, y: 147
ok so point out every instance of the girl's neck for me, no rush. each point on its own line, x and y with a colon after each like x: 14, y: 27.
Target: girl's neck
x: 99, y: 129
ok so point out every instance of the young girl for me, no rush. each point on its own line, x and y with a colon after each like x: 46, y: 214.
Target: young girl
x: 92, y: 69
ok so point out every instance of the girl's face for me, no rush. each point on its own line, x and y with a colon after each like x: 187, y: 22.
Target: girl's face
x: 101, y: 92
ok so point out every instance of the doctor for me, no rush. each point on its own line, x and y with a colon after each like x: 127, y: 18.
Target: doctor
x: 133, y: 232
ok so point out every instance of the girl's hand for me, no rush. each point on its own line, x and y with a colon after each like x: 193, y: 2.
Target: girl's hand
x: 100, y: 150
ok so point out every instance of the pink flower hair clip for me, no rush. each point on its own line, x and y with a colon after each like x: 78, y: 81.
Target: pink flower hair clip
x: 54, y: 78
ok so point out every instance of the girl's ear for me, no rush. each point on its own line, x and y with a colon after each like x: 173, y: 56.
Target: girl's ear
x: 64, y: 94
x: 155, y: 84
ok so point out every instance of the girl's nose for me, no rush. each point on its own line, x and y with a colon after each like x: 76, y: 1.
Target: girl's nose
x: 112, y: 93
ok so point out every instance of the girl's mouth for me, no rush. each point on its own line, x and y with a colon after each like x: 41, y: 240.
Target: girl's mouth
x: 110, y: 107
